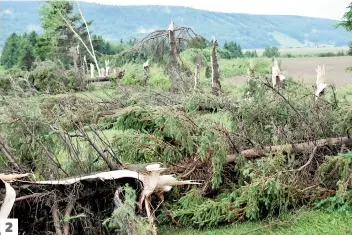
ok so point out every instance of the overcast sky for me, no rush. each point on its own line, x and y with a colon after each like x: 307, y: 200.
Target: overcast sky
x: 330, y: 9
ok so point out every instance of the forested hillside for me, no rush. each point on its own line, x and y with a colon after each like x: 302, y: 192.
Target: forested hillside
x: 125, y: 22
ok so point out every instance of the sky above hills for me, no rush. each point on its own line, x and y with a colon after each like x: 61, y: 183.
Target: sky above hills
x: 329, y: 9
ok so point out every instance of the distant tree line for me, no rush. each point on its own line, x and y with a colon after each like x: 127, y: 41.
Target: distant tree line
x: 59, y: 43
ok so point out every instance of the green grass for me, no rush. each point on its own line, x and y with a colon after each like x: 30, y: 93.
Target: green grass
x: 2, y: 70
x: 305, y: 222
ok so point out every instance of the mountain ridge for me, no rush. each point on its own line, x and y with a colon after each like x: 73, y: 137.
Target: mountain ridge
x: 124, y: 22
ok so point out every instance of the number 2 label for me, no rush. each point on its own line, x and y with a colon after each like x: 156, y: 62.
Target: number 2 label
x: 9, y: 227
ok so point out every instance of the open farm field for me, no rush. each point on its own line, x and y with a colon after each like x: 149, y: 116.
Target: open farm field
x: 304, y: 69
x: 307, y: 51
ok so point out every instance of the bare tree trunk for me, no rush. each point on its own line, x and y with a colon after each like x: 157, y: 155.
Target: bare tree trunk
x: 276, y: 76
x: 176, y: 82
x: 215, y: 76
x: 107, y: 68
x: 197, y: 72
x: 85, y: 65
x: 91, y: 70
x: 197, y: 77
x: 294, y: 148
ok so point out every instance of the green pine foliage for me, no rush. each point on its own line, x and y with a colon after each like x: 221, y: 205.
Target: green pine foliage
x: 124, y: 220
x: 10, y: 53
x: 168, y: 135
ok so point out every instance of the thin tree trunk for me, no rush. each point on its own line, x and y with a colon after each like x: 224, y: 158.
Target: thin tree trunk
x: 197, y: 72
x: 174, y: 69
x: 294, y: 148
x: 91, y: 70
x: 215, y: 75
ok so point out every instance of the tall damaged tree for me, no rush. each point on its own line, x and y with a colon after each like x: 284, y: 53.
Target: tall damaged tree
x: 169, y: 40
x: 197, y: 70
x: 276, y: 75
x: 321, y: 84
x: 215, y: 75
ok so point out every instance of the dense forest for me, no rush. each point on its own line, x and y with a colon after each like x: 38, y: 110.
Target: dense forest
x: 250, y: 31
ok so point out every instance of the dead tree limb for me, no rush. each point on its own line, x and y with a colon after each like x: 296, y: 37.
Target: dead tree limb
x: 98, y: 79
x: 293, y: 148
x: 9, y: 155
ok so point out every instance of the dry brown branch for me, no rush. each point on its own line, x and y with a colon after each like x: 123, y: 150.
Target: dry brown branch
x: 308, y: 162
x: 35, y: 195
x: 9, y: 155
x: 294, y: 148
x: 111, y: 165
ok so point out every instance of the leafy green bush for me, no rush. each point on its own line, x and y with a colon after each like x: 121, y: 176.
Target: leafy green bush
x: 134, y: 74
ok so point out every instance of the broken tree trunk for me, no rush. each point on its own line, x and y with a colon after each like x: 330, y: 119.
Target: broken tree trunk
x: 146, y: 71
x: 197, y: 72
x: 276, y: 76
x: 91, y: 70
x: 107, y: 68
x: 293, y: 148
x: 320, y: 82
x: 215, y: 75
x: 85, y: 65
x: 173, y: 64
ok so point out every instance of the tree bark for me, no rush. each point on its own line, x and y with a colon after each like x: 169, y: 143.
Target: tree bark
x: 197, y: 72
x: 68, y: 211
x: 56, y: 218
x: 215, y: 75
x: 91, y: 70
x: 294, y: 148
x: 173, y: 64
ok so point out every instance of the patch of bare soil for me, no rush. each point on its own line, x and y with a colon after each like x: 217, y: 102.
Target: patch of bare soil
x: 304, y: 69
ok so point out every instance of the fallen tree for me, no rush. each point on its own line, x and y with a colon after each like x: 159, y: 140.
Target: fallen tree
x: 68, y: 192
x: 307, y: 147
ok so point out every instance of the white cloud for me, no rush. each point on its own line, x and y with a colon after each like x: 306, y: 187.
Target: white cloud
x: 34, y: 27
x: 145, y: 30
x: 6, y: 12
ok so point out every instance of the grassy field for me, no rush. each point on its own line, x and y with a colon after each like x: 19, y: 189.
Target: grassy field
x: 307, y: 51
x: 2, y: 70
x: 306, y: 222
